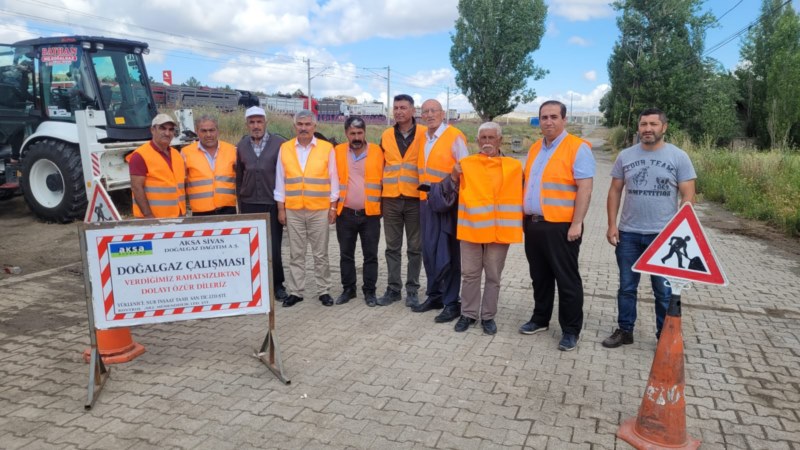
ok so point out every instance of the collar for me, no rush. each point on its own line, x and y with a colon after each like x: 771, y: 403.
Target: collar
x: 313, y: 142
x: 438, y: 133
x: 555, y: 142
x: 200, y: 146
x: 263, y: 139
x: 155, y: 147
x: 413, y: 125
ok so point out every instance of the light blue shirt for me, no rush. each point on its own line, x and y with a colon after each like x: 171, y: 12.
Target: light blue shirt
x: 584, y: 167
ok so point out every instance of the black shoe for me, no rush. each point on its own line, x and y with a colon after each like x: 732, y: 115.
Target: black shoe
x: 618, y: 338
x: 428, y: 305
x: 489, y: 327
x: 370, y: 300
x: 388, y: 298
x: 347, y: 294
x: 532, y: 328
x: 326, y: 300
x: 411, y: 299
x: 292, y: 300
x: 280, y: 293
x: 449, y: 313
x: 463, y: 323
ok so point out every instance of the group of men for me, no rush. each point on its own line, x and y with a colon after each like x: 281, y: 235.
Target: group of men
x: 459, y: 212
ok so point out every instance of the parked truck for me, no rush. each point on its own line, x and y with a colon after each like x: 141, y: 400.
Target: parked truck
x: 71, y: 109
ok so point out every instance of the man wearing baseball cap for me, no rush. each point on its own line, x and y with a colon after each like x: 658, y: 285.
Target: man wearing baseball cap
x: 157, y: 174
x: 256, y: 160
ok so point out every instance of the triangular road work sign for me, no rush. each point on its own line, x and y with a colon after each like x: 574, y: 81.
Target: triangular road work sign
x: 101, y: 208
x: 682, y: 251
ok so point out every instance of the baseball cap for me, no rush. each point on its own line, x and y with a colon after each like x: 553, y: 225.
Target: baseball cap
x: 255, y: 111
x: 161, y: 119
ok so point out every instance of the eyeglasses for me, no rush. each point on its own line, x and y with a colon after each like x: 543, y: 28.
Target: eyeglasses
x: 431, y: 111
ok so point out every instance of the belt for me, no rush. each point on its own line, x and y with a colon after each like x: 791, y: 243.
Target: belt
x: 535, y: 218
x: 354, y: 212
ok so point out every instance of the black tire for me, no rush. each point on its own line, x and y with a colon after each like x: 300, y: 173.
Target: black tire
x: 62, y: 197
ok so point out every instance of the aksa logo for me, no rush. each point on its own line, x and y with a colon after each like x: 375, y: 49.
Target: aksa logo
x: 119, y: 249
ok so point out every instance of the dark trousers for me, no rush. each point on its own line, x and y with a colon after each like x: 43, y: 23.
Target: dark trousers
x: 351, y: 225
x: 217, y: 212
x: 398, y: 213
x: 441, y: 256
x: 276, y: 236
x: 554, y: 261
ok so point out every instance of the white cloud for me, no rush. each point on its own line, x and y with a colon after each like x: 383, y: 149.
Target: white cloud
x: 580, y: 10
x: 428, y: 78
x: 14, y: 30
x: 344, y: 21
x: 551, y: 29
x: 580, y: 102
x: 590, y: 75
x: 579, y: 41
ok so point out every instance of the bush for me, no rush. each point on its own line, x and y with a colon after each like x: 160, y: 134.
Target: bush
x: 617, y: 139
x: 759, y: 185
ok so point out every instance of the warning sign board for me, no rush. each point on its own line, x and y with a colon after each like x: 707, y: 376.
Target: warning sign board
x: 144, y: 273
x: 101, y: 208
x: 682, y: 251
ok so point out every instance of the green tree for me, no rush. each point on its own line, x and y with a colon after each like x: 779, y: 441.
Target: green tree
x: 658, y: 62
x: 718, y: 116
x: 491, y: 52
x: 769, y: 76
x: 192, y: 82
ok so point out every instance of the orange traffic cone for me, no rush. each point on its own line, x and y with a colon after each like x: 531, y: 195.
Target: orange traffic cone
x: 662, y: 416
x: 115, y: 346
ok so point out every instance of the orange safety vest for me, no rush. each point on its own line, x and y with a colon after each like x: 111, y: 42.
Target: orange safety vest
x: 310, y: 188
x: 440, y: 161
x: 208, y: 190
x: 163, y: 187
x: 372, y: 177
x: 401, y: 173
x: 559, y: 189
x: 486, y: 216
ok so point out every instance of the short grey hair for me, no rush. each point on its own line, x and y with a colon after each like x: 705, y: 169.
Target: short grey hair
x: 207, y: 118
x: 305, y: 113
x: 491, y: 126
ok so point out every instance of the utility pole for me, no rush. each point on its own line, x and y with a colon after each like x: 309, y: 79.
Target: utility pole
x: 571, y: 114
x: 308, y: 60
x: 447, y: 110
x: 388, y: 94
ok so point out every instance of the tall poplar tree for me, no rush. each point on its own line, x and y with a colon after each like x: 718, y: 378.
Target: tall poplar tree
x: 491, y: 52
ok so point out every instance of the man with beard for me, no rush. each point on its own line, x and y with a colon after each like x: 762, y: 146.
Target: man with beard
x: 360, y: 167
x: 444, y: 146
x: 662, y: 171
x: 256, y: 160
x: 306, y: 190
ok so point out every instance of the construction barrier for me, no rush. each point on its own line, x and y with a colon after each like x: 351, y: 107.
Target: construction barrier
x: 165, y: 270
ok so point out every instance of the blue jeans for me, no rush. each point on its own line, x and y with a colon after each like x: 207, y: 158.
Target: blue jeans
x: 629, y: 249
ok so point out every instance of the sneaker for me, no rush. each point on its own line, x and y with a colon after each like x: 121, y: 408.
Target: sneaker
x: 388, y: 298
x: 532, y: 328
x: 569, y: 342
x: 618, y: 338
x: 463, y: 323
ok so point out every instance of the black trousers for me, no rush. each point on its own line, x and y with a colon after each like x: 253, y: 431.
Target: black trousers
x: 554, y: 261
x: 276, y: 236
x: 351, y: 225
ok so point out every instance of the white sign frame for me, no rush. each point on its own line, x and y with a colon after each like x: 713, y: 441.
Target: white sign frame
x: 142, y: 273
